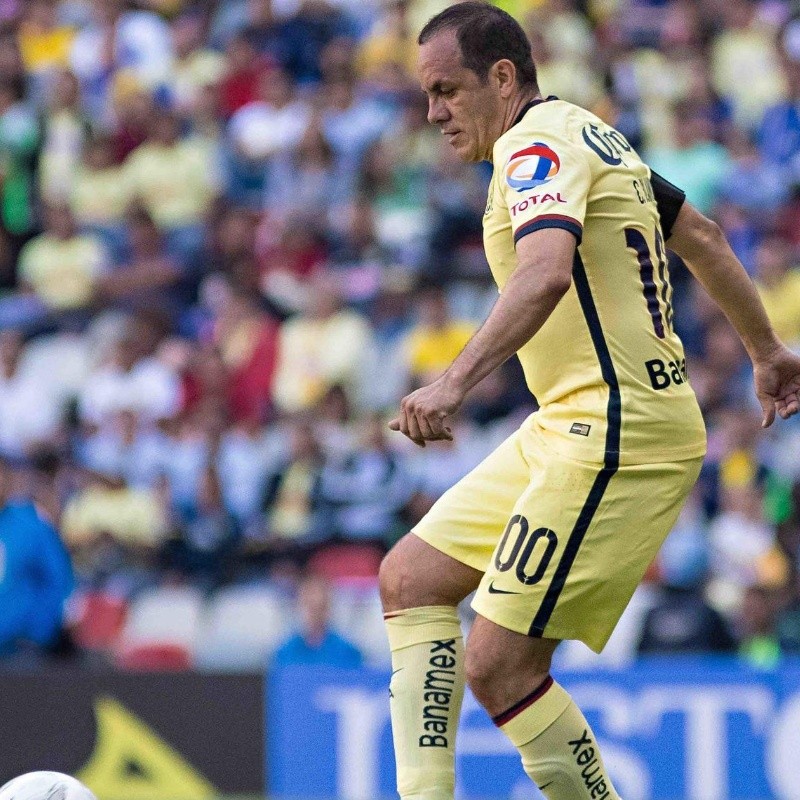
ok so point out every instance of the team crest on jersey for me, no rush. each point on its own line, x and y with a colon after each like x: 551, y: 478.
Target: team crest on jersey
x: 531, y: 167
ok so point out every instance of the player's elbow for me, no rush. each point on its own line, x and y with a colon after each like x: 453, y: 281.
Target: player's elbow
x: 544, y: 276
x: 695, y: 236
x: 708, y: 235
x: 553, y: 283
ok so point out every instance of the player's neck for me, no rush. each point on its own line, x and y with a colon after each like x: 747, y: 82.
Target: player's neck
x: 515, y: 107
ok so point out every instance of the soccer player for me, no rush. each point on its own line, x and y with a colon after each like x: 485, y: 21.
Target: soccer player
x: 556, y: 527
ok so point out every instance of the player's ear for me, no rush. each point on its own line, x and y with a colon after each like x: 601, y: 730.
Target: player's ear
x: 505, y: 73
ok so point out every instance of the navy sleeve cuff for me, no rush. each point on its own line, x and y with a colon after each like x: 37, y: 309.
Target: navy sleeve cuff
x: 550, y: 221
x: 669, y: 199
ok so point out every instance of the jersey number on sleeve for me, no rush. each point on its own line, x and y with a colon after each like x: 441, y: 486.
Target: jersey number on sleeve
x: 634, y: 239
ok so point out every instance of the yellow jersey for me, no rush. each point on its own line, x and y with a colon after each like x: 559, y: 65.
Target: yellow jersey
x: 607, y: 368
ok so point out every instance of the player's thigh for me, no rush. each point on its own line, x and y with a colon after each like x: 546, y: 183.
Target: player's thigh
x: 577, y: 545
x: 466, y: 522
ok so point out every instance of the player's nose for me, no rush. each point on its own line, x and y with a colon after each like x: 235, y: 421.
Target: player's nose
x: 437, y: 112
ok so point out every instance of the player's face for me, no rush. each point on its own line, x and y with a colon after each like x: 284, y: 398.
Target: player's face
x: 467, y: 111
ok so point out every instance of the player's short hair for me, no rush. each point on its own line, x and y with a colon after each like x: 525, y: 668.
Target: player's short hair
x: 486, y: 34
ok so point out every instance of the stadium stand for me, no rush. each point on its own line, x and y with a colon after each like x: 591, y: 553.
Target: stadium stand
x: 230, y: 243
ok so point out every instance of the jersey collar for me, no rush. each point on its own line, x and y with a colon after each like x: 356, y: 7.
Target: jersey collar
x: 528, y: 106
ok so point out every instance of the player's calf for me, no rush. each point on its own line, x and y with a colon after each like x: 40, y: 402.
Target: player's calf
x: 509, y: 674
x: 420, y: 589
x: 425, y: 692
x: 500, y: 669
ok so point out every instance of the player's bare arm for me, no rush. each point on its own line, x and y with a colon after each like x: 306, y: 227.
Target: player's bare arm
x: 542, y: 277
x: 702, y: 245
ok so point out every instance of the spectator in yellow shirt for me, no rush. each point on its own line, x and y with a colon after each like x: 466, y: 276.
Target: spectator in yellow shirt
x: 436, y: 339
x: 100, y: 193
x: 172, y: 179
x: 108, y: 520
x: 744, y: 62
x: 57, y: 274
x: 64, y: 129
x: 392, y: 41
x: 44, y: 43
x: 778, y: 283
x: 324, y: 345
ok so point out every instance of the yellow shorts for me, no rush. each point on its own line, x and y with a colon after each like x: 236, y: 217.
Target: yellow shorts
x: 562, y: 543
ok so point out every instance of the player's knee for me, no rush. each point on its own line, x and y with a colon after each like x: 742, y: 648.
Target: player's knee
x: 482, y: 670
x: 415, y: 574
x: 497, y: 680
x: 394, y: 579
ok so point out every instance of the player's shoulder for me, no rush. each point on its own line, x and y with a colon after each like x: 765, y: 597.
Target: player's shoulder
x: 549, y: 121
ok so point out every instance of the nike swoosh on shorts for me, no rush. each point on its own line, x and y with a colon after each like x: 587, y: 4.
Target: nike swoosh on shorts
x: 492, y: 590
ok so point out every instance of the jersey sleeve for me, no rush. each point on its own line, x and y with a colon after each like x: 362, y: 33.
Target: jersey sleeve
x: 545, y: 183
x: 669, y: 199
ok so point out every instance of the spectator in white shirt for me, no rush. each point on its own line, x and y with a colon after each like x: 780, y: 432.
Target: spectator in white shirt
x: 133, y: 379
x: 271, y: 124
x: 138, y: 41
x: 28, y: 416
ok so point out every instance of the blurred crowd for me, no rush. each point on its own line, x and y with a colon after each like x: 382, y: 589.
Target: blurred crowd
x: 230, y: 243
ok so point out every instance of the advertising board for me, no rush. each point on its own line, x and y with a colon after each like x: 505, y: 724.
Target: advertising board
x: 154, y: 736
x: 692, y: 729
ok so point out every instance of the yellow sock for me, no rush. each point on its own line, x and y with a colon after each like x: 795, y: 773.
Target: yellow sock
x: 426, y: 690
x: 559, y: 751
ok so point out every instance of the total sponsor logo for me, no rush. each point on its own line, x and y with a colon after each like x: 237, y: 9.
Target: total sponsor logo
x: 537, y: 199
x: 532, y: 166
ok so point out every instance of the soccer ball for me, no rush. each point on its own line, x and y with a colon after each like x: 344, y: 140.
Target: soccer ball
x: 45, y: 786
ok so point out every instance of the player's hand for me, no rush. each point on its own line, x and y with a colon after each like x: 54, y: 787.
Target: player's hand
x: 423, y: 412
x: 777, y: 378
